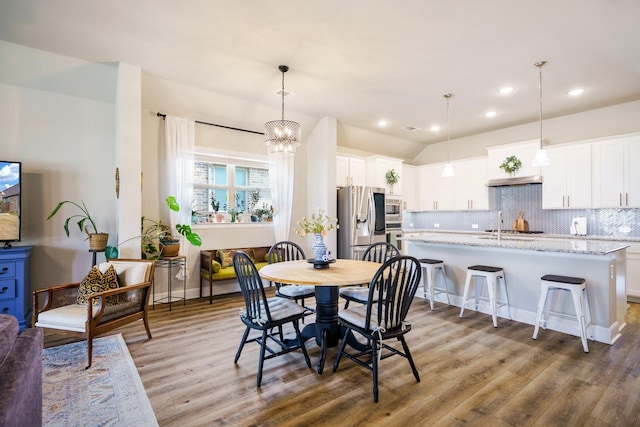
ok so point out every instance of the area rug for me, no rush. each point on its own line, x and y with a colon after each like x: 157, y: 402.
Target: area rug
x: 109, y: 393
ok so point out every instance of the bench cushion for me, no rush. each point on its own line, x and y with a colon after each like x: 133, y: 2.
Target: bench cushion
x: 226, y: 273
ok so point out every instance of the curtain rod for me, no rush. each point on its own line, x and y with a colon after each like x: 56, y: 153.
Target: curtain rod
x: 220, y: 126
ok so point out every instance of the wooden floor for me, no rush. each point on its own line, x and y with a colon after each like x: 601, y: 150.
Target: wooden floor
x: 471, y: 374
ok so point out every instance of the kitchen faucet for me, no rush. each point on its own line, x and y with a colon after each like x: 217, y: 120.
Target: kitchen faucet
x: 499, y: 225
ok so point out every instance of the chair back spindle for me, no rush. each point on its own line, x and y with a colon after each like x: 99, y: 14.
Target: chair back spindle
x: 393, y: 286
x: 252, y: 288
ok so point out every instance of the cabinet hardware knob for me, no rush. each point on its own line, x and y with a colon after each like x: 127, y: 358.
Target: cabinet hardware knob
x: 4, y: 289
x: 626, y: 196
x: 620, y: 199
x: 568, y: 204
x: 5, y: 310
x: 4, y: 270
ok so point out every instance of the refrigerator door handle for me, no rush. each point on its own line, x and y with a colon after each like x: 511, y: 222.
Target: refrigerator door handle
x: 372, y: 210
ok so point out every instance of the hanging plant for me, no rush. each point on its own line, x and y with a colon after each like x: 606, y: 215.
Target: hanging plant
x: 392, y: 177
x: 511, y: 164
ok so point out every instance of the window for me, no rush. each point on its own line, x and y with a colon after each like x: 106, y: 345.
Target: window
x: 222, y: 184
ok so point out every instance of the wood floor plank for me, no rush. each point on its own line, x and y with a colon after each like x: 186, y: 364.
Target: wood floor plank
x: 472, y: 374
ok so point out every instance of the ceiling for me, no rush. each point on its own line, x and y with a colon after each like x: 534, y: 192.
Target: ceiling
x: 362, y: 60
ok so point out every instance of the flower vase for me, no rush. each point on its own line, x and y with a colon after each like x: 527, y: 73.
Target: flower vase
x: 319, y: 248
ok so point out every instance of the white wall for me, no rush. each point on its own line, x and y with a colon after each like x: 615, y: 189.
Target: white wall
x: 58, y: 119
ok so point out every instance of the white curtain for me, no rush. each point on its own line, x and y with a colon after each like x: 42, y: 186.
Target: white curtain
x: 281, y: 171
x: 179, y: 145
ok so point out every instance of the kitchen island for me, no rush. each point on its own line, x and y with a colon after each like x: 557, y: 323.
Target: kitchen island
x: 525, y: 260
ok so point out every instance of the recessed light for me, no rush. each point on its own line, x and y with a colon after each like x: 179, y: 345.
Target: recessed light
x: 506, y: 90
x: 490, y: 114
x: 576, y: 92
x: 382, y: 123
x: 435, y: 128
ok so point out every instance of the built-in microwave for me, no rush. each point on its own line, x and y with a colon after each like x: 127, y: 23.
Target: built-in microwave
x: 393, y: 210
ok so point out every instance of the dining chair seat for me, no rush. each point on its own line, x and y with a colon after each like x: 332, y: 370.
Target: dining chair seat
x: 280, y: 308
x: 356, y: 294
x: 296, y: 291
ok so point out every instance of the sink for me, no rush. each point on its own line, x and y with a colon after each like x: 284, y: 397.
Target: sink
x: 510, y: 238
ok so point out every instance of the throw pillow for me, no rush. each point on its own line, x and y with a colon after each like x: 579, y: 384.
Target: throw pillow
x: 95, y: 282
x: 226, y: 255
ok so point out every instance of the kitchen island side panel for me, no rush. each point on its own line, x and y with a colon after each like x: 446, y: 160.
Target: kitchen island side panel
x: 605, y: 275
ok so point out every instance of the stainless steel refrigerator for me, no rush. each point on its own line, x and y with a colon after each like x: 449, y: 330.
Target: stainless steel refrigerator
x: 361, y: 216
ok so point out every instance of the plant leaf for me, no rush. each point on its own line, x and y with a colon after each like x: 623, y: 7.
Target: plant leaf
x: 173, y: 204
x: 194, y: 239
x: 56, y: 209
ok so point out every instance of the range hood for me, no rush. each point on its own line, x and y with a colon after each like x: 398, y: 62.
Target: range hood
x: 518, y: 180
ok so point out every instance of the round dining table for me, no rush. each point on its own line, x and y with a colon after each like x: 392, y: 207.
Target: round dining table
x: 342, y: 272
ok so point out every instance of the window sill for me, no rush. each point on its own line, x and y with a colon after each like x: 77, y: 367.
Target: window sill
x: 209, y: 225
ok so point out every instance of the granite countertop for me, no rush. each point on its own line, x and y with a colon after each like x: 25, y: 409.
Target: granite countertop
x: 525, y: 235
x: 520, y: 241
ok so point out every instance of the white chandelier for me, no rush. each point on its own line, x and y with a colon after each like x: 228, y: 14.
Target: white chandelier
x: 282, y: 136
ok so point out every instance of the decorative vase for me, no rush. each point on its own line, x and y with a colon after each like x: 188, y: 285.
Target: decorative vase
x: 319, y: 248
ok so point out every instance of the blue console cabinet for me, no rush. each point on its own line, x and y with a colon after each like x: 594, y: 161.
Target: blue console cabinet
x: 15, y: 283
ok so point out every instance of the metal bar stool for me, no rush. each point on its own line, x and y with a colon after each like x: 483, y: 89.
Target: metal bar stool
x: 430, y: 267
x: 492, y: 276
x: 578, y: 289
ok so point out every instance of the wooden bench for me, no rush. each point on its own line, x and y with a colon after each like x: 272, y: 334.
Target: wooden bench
x: 217, y: 264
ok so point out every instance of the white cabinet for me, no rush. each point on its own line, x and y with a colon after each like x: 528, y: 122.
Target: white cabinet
x: 377, y: 167
x: 350, y: 171
x: 567, y: 180
x: 633, y: 272
x: 435, y: 192
x: 616, y: 176
x: 409, y: 179
x: 525, y: 151
x: 470, y: 190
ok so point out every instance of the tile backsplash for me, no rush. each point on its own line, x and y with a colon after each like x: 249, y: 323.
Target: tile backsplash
x: 617, y: 223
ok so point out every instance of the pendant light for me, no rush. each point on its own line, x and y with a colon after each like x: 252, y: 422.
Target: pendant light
x: 541, y: 159
x: 282, y: 136
x: 448, y: 168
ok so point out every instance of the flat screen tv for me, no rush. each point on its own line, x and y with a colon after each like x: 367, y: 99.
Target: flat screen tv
x: 10, y: 201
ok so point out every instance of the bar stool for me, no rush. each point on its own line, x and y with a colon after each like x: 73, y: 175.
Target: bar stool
x: 491, y: 276
x: 578, y: 288
x: 430, y: 267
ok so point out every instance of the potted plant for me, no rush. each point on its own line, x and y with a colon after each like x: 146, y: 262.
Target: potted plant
x: 157, y: 237
x: 392, y: 178
x: 97, y: 240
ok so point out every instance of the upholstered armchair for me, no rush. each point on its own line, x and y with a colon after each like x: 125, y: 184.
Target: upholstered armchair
x: 57, y: 308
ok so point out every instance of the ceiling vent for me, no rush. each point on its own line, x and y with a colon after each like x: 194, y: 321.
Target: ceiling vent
x: 412, y: 128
